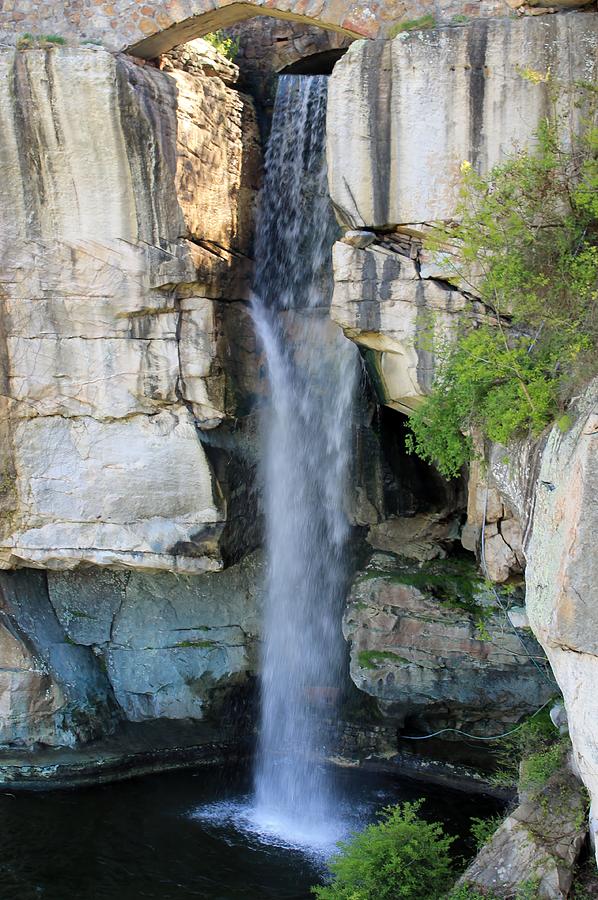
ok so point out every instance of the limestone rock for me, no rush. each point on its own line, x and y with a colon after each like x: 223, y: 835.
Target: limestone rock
x: 403, y: 115
x: 199, y: 57
x: 51, y: 691
x: 561, y: 576
x: 133, y: 493
x: 416, y: 648
x: 171, y: 644
x: 539, y: 842
x: 420, y: 537
x: 359, y: 239
x: 492, y: 531
x: 126, y: 194
x: 382, y: 304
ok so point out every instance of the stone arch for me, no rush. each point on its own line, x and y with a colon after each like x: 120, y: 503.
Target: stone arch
x: 160, y: 31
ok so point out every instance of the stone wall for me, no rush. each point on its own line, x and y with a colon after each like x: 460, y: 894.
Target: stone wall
x: 155, y: 27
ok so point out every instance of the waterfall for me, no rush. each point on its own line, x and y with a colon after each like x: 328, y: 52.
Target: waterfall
x: 306, y: 451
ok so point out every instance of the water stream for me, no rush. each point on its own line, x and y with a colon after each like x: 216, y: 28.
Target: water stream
x: 306, y: 454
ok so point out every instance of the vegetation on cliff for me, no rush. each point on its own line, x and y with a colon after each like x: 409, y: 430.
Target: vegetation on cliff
x: 223, y: 44
x: 527, y: 245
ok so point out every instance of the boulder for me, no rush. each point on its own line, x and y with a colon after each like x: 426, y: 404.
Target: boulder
x: 432, y: 645
x: 538, y: 844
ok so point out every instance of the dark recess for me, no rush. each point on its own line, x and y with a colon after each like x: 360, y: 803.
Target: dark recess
x: 317, y: 64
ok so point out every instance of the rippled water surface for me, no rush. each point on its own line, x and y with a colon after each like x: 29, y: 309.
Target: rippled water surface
x: 181, y: 835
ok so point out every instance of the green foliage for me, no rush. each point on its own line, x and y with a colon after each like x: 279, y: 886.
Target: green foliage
x: 535, y: 737
x: 460, y: 19
x: 427, y: 21
x: 483, y: 829
x: 402, y: 857
x: 537, y: 768
x: 226, y: 46
x: 527, y: 245
x: 528, y: 890
x: 455, y: 582
x: 197, y: 644
x: 370, y: 659
x: 30, y: 41
x: 471, y: 892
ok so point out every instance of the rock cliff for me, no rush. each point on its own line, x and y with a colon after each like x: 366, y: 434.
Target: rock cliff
x: 120, y: 245
x: 126, y: 195
x: 403, y: 116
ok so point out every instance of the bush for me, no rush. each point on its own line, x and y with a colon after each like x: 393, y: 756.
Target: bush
x: 224, y: 45
x: 483, y: 829
x: 527, y: 245
x: 535, y: 738
x: 471, y: 892
x: 537, y: 768
x: 400, y: 858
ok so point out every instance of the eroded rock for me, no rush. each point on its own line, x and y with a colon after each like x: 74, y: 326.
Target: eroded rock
x: 537, y: 844
x: 561, y: 576
x: 403, y: 115
x: 431, y: 644
x: 173, y: 646
x: 127, y: 199
x: 382, y: 304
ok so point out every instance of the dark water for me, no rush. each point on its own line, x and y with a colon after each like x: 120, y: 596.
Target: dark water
x: 175, y: 836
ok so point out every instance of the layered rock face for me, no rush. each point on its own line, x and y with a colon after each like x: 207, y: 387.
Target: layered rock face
x: 382, y: 302
x: 126, y: 197
x: 404, y: 115
x: 118, y: 244
x: 431, y: 643
x: 83, y: 650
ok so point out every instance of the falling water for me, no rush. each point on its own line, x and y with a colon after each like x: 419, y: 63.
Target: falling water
x: 312, y: 370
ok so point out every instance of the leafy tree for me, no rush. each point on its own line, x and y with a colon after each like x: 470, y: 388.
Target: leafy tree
x: 402, y: 857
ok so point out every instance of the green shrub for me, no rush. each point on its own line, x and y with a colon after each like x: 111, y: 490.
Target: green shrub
x: 537, y: 768
x: 483, y: 829
x: 471, y: 892
x: 534, y: 738
x: 527, y: 244
x: 527, y: 890
x: 400, y: 858
x: 226, y: 46
x: 427, y: 21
